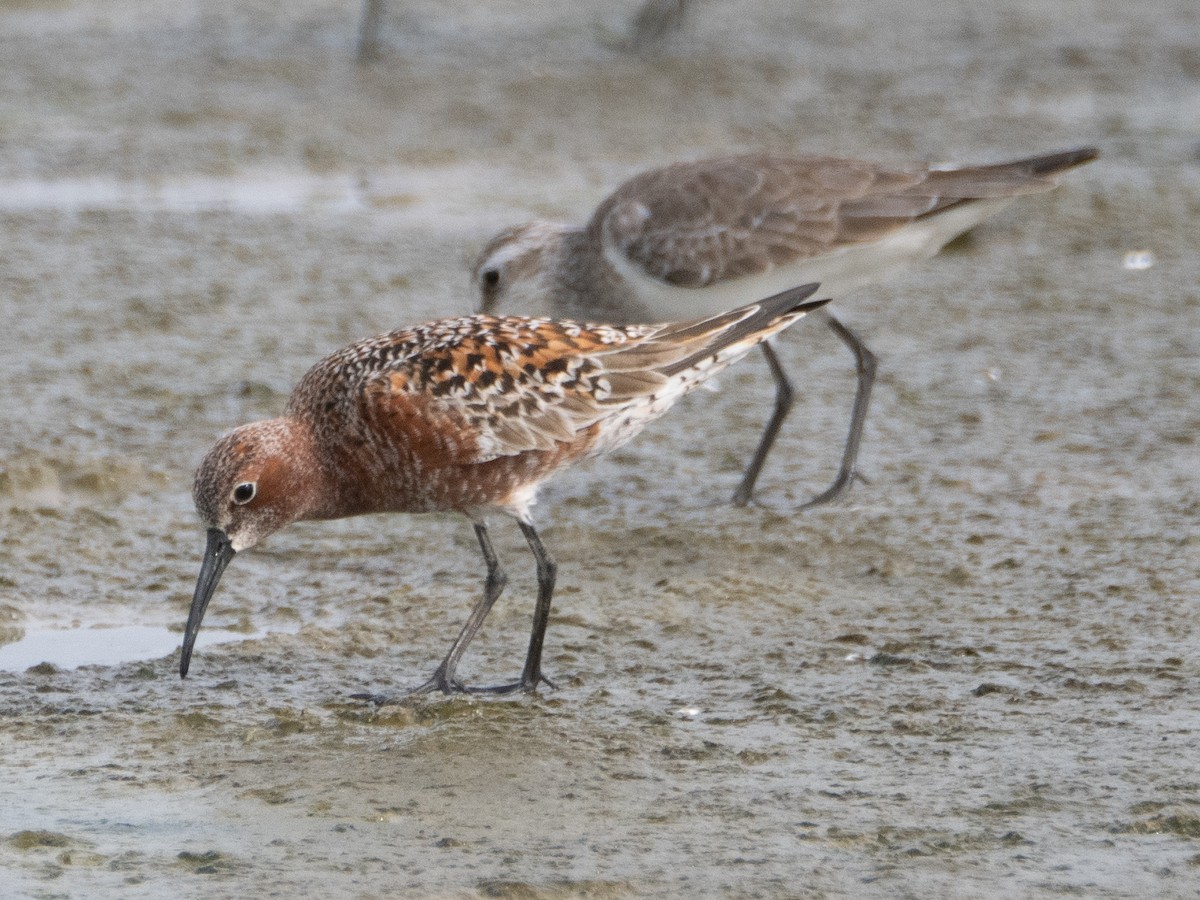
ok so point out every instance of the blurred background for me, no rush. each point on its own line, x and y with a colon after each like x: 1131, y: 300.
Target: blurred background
x: 975, y: 675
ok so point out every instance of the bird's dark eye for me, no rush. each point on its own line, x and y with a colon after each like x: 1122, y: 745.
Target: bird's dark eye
x: 244, y: 492
x: 491, y: 278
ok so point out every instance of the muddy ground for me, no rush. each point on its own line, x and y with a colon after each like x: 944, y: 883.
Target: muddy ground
x: 976, y: 675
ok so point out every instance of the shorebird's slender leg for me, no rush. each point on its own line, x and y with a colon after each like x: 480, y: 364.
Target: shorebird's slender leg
x: 865, y: 364
x: 444, y: 678
x: 547, y: 570
x: 368, y: 30
x: 654, y: 21
x: 784, y: 397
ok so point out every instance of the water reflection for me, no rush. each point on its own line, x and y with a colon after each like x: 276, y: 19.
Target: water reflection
x: 263, y: 193
x: 74, y: 647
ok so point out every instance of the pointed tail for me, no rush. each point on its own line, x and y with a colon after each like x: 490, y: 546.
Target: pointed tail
x: 727, y: 336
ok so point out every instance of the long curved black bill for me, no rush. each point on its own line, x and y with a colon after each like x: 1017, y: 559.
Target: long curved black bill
x: 217, y: 555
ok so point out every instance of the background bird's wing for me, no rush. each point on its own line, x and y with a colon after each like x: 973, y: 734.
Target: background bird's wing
x: 694, y: 224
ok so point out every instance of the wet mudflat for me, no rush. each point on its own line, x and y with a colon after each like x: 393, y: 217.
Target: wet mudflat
x: 977, y: 675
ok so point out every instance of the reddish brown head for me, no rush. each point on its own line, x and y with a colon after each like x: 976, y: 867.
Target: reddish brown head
x: 254, y: 481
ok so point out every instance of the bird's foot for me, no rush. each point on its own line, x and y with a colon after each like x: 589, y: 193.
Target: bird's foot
x: 527, y: 685
x: 440, y: 680
x: 743, y: 499
x: 840, y: 485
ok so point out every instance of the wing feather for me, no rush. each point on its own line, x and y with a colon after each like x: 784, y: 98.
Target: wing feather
x: 481, y: 387
x: 695, y: 224
x: 464, y: 391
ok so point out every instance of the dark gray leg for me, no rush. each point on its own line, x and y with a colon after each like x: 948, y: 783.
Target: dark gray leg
x: 547, y: 570
x: 444, y: 678
x: 654, y: 21
x: 368, y: 30
x: 784, y: 397
x: 865, y: 363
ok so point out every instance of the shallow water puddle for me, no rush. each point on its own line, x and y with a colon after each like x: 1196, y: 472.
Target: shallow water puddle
x: 451, y: 191
x: 69, y: 648
x: 262, y: 193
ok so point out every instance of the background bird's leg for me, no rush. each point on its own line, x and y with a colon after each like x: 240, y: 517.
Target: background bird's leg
x: 784, y: 397
x: 866, y: 364
x: 368, y: 30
